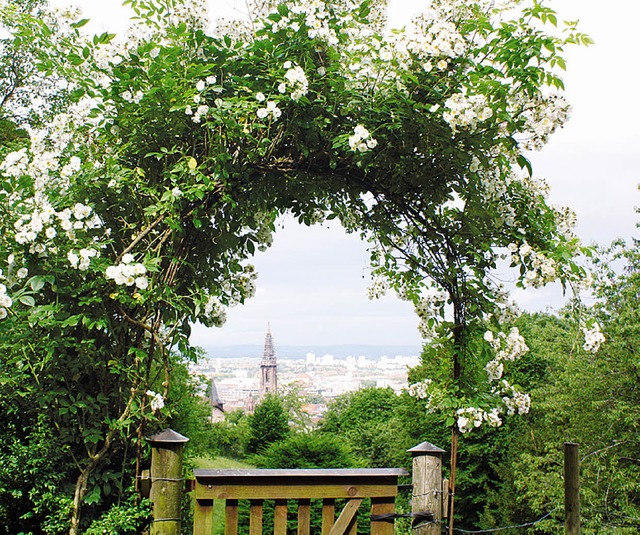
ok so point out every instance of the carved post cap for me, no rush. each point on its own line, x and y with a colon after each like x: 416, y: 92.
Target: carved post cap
x: 168, y: 437
x: 426, y: 448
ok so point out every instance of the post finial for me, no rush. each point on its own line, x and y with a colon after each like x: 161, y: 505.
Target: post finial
x: 425, y: 448
x: 168, y: 436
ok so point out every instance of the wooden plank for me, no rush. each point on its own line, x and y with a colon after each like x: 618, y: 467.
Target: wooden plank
x: 280, y: 518
x: 203, y: 517
x: 382, y: 506
x: 328, y: 515
x: 255, y: 517
x: 304, y: 517
x: 347, y: 518
x: 301, y: 473
x: 295, y: 490
x: 231, y: 517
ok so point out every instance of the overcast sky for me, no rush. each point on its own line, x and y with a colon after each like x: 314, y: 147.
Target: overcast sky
x: 312, y: 282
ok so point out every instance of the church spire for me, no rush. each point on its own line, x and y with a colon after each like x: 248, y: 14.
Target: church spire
x: 214, y: 397
x: 217, y: 407
x: 269, y: 353
x: 268, y: 366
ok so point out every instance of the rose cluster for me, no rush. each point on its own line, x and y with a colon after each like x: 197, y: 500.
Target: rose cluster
x: 361, y: 140
x: 128, y: 273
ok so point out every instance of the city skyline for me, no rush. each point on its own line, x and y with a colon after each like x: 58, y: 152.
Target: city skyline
x: 238, y: 383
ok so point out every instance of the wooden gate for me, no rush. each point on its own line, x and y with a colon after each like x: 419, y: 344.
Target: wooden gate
x: 299, y: 486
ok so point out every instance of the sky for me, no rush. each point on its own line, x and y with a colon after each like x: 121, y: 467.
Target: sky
x: 312, y: 282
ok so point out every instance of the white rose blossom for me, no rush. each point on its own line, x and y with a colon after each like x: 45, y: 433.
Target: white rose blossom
x: 593, y: 338
x: 296, y: 79
x: 271, y: 109
x: 378, y: 288
x: 156, y: 401
x: 128, y: 273
x: 361, y: 140
x: 5, y: 302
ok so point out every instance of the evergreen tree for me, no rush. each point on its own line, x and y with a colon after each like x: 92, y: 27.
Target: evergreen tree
x: 308, y: 450
x: 268, y: 424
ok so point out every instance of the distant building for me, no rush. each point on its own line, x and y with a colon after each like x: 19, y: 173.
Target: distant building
x: 268, y: 367
x: 249, y: 403
x: 327, y: 360
x: 217, y: 407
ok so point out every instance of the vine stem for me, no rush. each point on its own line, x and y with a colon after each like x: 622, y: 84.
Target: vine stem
x: 452, y: 478
x: 140, y: 236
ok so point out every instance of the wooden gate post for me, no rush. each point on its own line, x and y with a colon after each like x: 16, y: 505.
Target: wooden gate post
x: 427, y: 486
x: 571, y: 489
x: 166, y: 481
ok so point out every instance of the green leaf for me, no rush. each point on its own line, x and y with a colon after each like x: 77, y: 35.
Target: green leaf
x: 75, y: 59
x: 524, y: 163
x: 80, y: 23
x: 71, y: 321
x: 27, y: 300
x: 93, y: 497
x: 37, y: 283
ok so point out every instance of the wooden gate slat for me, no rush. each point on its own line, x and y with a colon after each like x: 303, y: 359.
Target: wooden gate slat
x: 280, y: 518
x: 304, y: 517
x: 203, y: 517
x: 328, y: 515
x: 346, y: 520
x: 255, y: 517
x: 230, y: 518
x: 382, y: 506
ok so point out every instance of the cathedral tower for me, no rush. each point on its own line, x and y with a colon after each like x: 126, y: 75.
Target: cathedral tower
x: 268, y: 367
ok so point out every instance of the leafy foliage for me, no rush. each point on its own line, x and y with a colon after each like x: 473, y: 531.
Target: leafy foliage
x: 307, y: 450
x: 129, y: 518
x: 368, y: 420
x: 584, y: 398
x: 268, y: 424
x: 229, y: 437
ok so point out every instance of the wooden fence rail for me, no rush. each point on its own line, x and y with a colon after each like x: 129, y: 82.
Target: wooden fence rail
x: 299, y: 486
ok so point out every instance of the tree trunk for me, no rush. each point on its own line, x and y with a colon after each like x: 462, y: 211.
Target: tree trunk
x: 85, y: 473
x: 78, y: 497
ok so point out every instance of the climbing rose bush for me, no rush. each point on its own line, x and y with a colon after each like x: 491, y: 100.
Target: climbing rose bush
x: 141, y: 192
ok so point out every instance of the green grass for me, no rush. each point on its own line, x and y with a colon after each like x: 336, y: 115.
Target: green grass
x: 219, y: 462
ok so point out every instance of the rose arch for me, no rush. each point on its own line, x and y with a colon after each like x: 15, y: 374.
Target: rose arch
x: 134, y: 204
